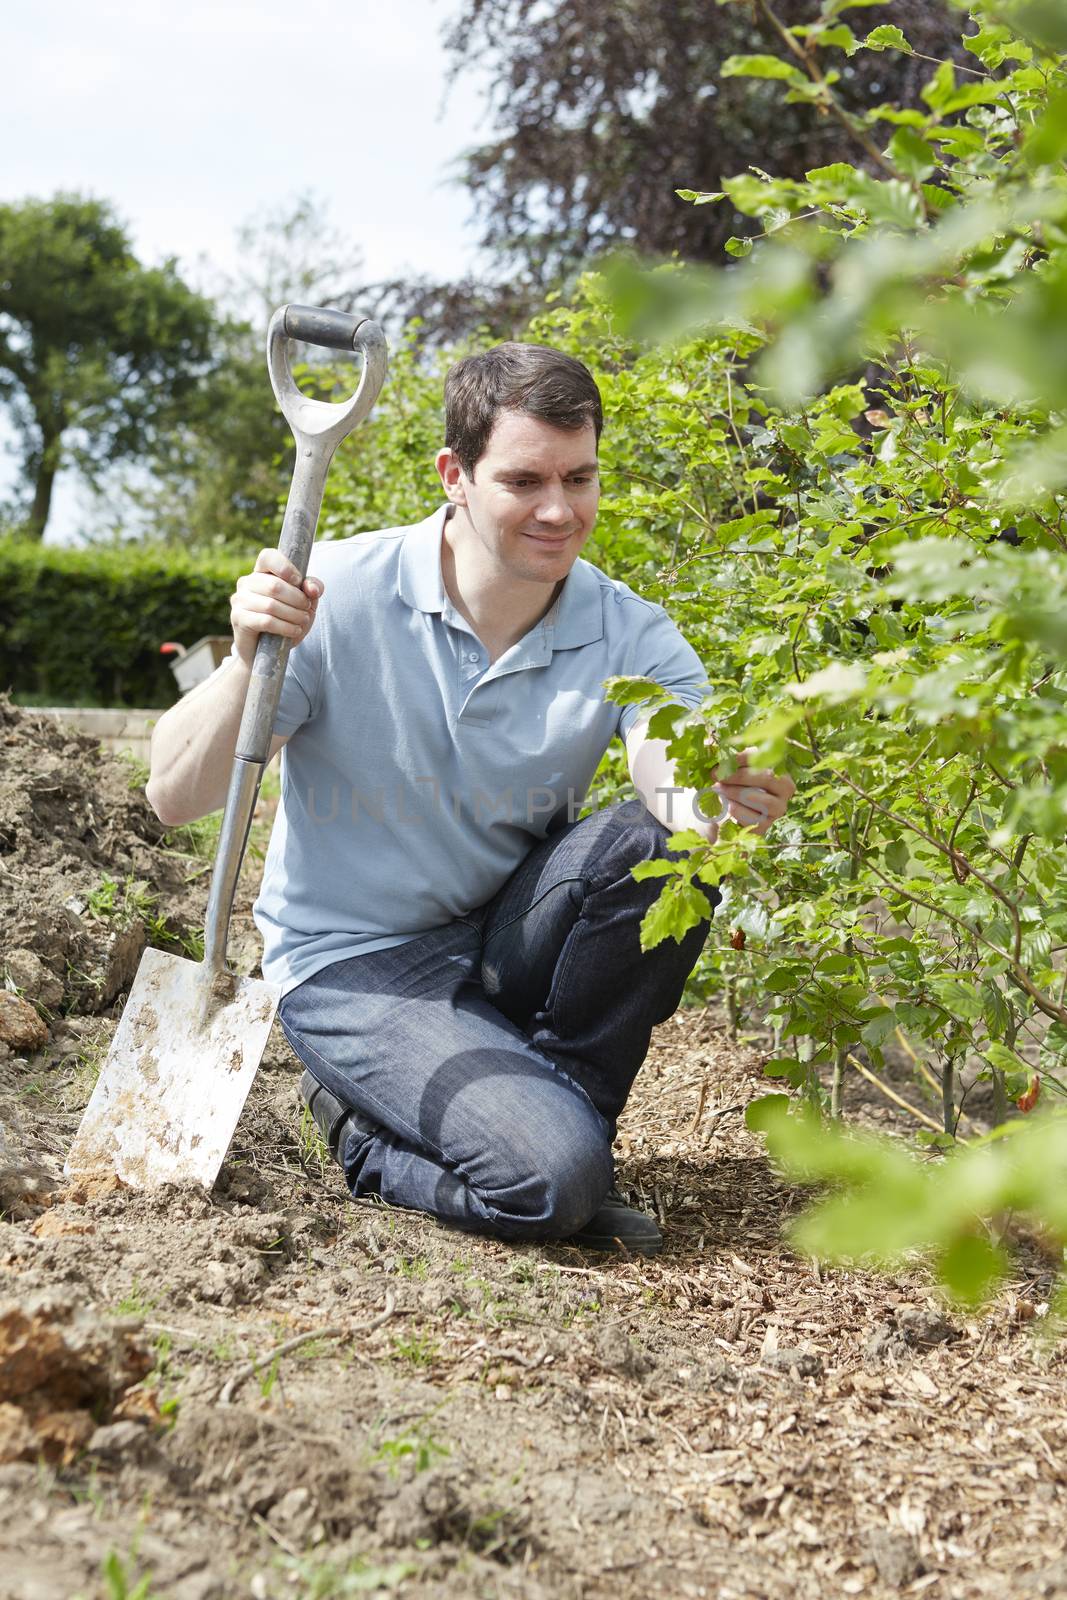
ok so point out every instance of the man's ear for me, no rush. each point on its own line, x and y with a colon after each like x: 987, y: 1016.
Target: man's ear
x: 453, y: 478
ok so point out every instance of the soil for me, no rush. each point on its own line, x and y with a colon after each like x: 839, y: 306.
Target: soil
x: 269, y: 1390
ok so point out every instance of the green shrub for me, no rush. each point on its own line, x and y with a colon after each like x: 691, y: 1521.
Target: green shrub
x: 84, y: 627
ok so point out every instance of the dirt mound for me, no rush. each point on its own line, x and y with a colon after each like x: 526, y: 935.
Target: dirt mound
x: 62, y: 1370
x: 84, y: 881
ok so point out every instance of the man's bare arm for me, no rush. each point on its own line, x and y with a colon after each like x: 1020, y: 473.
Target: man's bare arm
x: 193, y: 743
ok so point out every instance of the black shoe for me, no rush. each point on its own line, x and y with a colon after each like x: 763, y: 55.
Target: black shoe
x: 330, y: 1115
x: 619, y: 1227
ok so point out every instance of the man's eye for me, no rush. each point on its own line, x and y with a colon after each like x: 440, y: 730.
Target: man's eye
x: 580, y: 483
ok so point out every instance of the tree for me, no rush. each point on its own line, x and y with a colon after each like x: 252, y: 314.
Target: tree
x: 604, y: 107
x: 222, y: 476
x: 292, y: 252
x: 98, y: 353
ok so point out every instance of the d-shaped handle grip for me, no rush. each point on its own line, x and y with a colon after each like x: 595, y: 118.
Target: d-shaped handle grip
x: 336, y: 330
x: 324, y: 422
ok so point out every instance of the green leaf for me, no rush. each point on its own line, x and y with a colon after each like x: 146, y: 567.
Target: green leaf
x: 878, y: 1024
x: 891, y: 201
x: 1016, y: 1071
x: 911, y: 153
x: 838, y: 175
x: 766, y: 1112
x: 897, y: 857
x: 662, y: 723
x: 1046, y: 142
x: 841, y: 36
x: 941, y: 87
x: 959, y: 998
x: 632, y: 691
x: 738, y: 247
x: 680, y: 907
x: 887, y: 38
x: 841, y: 680
x: 701, y: 197
x: 758, y: 66
x: 969, y: 1268
x: 1043, y: 21
x: 994, y: 44
x: 654, y: 869
x: 782, y: 979
x: 787, y: 1067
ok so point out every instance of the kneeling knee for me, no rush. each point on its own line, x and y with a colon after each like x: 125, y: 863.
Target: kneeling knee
x: 559, y: 1197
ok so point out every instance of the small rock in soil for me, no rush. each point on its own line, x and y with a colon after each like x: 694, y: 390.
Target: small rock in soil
x: 33, y: 980
x: 617, y: 1352
x: 805, y: 1363
x: 25, y: 1187
x: 202, y: 1585
x: 923, y: 1326
x: 912, y: 1328
x: 20, y: 1026
x: 896, y: 1557
x: 721, y: 1375
x: 295, y: 1515
x: 119, y: 1439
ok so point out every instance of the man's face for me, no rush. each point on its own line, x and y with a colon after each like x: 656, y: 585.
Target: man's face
x: 532, y: 500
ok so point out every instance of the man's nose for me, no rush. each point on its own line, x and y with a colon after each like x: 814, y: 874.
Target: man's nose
x: 553, y: 505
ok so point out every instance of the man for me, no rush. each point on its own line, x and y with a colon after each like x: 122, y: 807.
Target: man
x: 459, y: 956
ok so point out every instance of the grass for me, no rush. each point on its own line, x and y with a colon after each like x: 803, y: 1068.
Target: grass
x: 119, y: 1583
x: 417, y: 1349
x: 119, y: 1576
x: 314, y: 1151
x: 495, y: 1308
x: 136, y: 1303
x: 124, y: 902
x: 133, y: 900
x: 418, y: 1447
x: 164, y: 1377
x: 198, y: 839
x: 585, y: 1312
x: 87, y: 1066
x: 137, y: 770
x: 315, y: 1349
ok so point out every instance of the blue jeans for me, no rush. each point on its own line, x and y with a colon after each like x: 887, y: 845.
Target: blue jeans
x: 489, y: 1059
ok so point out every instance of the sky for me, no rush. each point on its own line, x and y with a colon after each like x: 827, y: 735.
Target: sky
x: 192, y: 117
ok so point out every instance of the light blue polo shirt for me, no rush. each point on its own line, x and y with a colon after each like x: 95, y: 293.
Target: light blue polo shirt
x: 417, y: 775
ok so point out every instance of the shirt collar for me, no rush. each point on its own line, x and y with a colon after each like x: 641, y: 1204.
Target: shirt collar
x: 421, y: 584
x: 577, y: 617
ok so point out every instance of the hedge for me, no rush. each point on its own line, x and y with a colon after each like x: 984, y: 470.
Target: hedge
x: 84, y: 627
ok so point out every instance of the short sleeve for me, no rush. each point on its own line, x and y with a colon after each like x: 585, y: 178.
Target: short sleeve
x: 663, y: 655
x: 300, y: 687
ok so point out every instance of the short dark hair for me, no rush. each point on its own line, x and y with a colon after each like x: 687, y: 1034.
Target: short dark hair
x: 530, y: 378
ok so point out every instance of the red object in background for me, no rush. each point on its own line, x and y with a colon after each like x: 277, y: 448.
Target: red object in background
x: 1028, y: 1100
x: 737, y: 939
x: 171, y: 649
